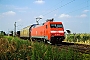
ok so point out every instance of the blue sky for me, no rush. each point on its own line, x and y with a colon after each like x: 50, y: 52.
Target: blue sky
x: 75, y: 14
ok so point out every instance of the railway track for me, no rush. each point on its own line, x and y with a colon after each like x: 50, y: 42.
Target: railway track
x: 76, y: 47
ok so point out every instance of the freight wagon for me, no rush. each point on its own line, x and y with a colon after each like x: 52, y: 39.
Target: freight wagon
x: 25, y: 33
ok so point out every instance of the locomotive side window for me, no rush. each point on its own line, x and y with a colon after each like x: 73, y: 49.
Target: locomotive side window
x: 56, y: 25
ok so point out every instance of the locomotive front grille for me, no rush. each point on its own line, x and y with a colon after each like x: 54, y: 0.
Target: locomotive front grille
x: 57, y: 39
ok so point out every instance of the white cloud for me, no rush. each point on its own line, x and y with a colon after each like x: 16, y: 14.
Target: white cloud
x: 64, y: 16
x: 39, y: 2
x: 9, y: 13
x: 83, y: 15
x: 85, y: 11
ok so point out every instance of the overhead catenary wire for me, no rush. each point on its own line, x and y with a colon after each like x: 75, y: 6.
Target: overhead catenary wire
x: 79, y: 8
x: 51, y: 7
x: 70, y: 11
x: 59, y: 7
x: 67, y: 4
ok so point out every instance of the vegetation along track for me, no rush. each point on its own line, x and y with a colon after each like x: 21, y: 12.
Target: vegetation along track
x: 77, y: 47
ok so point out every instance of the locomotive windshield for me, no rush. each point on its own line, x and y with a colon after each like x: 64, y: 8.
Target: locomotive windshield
x: 56, y: 25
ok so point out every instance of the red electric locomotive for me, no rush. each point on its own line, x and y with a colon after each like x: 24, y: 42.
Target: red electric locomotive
x: 50, y: 31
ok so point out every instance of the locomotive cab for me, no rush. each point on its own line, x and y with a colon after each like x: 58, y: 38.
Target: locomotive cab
x: 54, y: 31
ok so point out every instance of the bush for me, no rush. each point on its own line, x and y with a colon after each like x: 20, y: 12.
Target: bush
x: 78, y: 37
x: 1, y: 36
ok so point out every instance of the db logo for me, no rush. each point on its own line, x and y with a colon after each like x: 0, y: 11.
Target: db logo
x: 57, y: 32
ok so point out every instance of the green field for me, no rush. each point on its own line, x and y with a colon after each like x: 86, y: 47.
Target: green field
x: 78, y: 38
x: 13, y: 48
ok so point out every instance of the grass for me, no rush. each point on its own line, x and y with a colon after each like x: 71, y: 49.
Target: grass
x: 13, y: 48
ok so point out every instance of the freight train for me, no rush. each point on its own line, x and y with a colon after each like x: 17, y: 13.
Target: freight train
x: 49, y: 32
